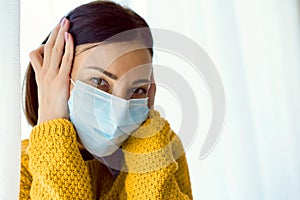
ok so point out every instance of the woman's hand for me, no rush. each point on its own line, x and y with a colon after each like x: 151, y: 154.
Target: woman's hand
x: 52, y: 64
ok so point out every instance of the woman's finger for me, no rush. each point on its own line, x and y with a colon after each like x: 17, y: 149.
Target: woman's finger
x: 36, y: 58
x: 58, y: 48
x: 67, y: 59
x: 49, y: 45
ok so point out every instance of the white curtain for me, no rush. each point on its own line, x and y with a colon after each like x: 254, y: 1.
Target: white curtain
x: 10, y: 96
x: 255, y: 46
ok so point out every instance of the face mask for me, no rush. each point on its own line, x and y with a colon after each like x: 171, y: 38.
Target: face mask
x: 104, y: 121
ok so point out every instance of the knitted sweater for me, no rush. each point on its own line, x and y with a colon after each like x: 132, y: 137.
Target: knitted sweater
x: 155, y: 167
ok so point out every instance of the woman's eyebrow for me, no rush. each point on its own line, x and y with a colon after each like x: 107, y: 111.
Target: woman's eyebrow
x: 140, y: 81
x: 110, y: 75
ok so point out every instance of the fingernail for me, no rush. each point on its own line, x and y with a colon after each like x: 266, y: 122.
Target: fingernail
x: 63, y: 22
x: 66, y: 36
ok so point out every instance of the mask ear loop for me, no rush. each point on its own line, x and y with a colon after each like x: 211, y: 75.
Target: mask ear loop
x: 72, y: 81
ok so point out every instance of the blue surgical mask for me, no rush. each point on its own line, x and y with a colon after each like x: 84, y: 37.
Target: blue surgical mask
x: 103, y: 121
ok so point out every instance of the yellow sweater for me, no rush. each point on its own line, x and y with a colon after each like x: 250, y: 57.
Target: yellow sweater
x: 52, y: 166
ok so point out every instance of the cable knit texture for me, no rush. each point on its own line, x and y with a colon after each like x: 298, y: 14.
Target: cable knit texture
x: 52, y: 166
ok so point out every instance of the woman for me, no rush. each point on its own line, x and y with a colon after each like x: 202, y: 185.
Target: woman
x: 89, y: 96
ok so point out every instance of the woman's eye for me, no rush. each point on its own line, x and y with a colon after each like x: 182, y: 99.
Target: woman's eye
x: 139, y: 92
x: 100, y: 83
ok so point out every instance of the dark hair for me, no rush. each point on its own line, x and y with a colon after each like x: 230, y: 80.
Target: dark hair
x: 93, y: 22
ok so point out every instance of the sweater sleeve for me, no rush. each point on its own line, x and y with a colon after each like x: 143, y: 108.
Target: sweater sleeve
x: 55, y: 163
x: 156, y: 164
x: 25, y: 176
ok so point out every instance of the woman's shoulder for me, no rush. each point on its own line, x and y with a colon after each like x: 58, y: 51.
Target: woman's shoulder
x: 157, y: 123
x: 160, y: 122
x: 175, y: 141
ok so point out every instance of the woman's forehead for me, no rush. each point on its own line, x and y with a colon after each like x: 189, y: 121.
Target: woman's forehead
x: 109, y: 51
x: 134, y: 64
x: 117, y: 58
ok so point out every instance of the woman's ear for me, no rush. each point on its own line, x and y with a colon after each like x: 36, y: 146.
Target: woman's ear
x: 151, y: 93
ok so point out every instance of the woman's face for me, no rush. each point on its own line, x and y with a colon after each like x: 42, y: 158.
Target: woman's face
x: 121, y: 69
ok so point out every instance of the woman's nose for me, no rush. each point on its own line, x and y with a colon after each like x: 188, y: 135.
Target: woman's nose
x: 121, y: 92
